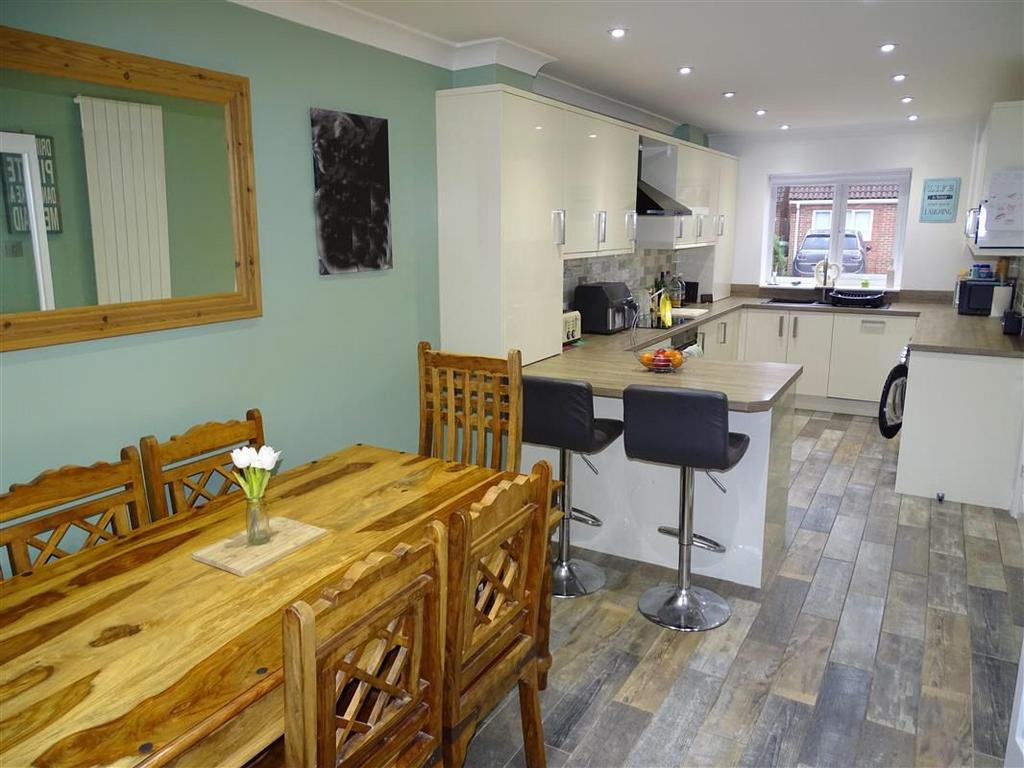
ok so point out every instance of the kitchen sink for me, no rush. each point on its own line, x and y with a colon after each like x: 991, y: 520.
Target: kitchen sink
x: 799, y: 301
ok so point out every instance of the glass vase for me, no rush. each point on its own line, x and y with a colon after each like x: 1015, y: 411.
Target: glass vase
x: 257, y: 524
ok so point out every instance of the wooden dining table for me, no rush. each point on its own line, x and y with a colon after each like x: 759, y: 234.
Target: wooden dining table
x: 135, y: 653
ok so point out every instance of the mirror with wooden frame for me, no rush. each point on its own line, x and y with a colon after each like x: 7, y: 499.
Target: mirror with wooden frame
x: 127, y: 194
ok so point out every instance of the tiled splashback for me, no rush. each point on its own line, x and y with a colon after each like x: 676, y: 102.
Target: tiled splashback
x: 639, y: 270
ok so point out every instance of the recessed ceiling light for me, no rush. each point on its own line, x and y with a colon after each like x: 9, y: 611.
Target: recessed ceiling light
x: 761, y: 112
x: 899, y: 78
x: 912, y: 118
x: 729, y: 94
x: 592, y: 136
x: 685, y: 70
x: 538, y: 127
x: 784, y: 127
x: 907, y: 99
x: 618, y: 32
x: 887, y: 47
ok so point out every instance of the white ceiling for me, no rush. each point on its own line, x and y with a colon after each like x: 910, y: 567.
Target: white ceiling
x: 813, y: 65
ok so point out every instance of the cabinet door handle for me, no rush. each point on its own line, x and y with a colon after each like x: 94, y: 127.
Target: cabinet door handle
x: 602, y: 226
x: 700, y: 226
x: 721, y: 224
x: 865, y: 321
x: 700, y: 339
x: 782, y: 320
x: 558, y: 224
x: 631, y: 225
x: 679, y: 228
x: 724, y: 328
x: 795, y: 319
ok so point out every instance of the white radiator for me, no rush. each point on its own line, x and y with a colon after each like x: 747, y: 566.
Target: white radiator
x: 124, y: 165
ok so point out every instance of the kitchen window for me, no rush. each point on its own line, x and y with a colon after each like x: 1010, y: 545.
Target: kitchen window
x: 804, y: 211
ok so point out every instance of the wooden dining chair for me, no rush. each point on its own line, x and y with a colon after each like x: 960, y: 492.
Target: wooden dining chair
x: 471, y: 408
x: 497, y: 553
x: 69, y: 510
x: 191, y: 470
x: 363, y: 664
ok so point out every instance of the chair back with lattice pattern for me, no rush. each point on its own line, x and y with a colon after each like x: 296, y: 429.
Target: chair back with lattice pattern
x: 471, y: 408
x: 70, y: 509
x: 497, y: 552
x: 363, y: 664
x: 191, y: 470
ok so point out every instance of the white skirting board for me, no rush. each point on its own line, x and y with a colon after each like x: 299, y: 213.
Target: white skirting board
x: 633, y: 498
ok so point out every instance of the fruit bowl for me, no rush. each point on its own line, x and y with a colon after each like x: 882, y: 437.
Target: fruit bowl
x: 662, y: 360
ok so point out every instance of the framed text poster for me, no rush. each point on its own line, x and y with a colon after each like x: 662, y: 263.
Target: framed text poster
x: 939, y: 200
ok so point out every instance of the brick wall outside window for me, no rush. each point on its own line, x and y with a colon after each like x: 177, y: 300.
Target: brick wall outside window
x: 883, y: 231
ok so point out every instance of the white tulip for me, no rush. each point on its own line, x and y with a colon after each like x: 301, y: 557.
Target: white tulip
x: 266, y: 458
x: 243, y: 457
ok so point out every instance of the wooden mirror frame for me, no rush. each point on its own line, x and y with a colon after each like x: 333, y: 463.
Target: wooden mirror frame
x: 44, y: 55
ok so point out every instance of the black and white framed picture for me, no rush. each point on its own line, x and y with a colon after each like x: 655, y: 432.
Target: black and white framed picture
x: 352, y: 197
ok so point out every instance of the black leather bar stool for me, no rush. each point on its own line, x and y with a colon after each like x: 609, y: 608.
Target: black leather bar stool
x: 560, y: 414
x: 688, y: 429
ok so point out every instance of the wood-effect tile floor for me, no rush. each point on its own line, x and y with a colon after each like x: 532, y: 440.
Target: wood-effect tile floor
x: 889, y: 638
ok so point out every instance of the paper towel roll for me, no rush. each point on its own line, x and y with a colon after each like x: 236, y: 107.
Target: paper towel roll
x: 1001, y: 295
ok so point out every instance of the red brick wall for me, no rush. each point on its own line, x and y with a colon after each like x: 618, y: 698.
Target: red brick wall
x: 883, y: 231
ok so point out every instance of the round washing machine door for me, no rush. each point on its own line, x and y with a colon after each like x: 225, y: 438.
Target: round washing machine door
x: 890, y: 409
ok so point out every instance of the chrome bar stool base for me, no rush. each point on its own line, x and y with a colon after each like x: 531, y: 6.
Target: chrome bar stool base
x: 694, y: 609
x: 575, y: 578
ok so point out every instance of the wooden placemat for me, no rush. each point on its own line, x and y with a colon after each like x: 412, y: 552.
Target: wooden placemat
x: 235, y: 556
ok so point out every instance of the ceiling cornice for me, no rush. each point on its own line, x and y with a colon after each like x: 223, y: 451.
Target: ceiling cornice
x: 338, y: 18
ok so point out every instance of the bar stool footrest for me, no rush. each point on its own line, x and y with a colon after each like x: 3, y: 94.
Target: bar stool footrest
x: 582, y: 516
x: 703, y: 542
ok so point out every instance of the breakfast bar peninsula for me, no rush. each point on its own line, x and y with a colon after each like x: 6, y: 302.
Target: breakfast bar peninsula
x: 633, y: 498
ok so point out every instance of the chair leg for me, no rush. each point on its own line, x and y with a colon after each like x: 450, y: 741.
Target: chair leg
x: 544, y: 630
x: 529, y: 712
x: 455, y: 749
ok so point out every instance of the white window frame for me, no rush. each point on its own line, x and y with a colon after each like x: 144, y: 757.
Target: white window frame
x: 841, y: 182
x: 851, y: 217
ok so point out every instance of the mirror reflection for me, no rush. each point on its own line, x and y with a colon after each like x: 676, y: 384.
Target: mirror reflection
x: 110, y: 195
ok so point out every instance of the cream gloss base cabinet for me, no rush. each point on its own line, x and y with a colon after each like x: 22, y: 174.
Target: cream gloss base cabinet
x: 864, y: 349
x: 720, y: 338
x: 802, y: 338
x: 500, y: 225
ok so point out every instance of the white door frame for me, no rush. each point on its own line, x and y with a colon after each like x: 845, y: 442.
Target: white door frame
x: 24, y: 144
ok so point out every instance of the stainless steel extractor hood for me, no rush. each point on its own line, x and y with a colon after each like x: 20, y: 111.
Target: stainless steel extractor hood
x: 656, y: 172
x: 651, y: 201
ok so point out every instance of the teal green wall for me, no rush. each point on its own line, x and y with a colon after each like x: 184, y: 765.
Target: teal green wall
x: 489, y: 74
x: 199, y: 227
x: 333, y: 360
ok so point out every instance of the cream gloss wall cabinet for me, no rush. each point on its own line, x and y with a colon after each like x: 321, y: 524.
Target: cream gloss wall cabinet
x: 725, y: 228
x: 500, y: 223
x: 600, y: 165
x: 804, y: 338
x: 523, y: 182
x: 697, y: 180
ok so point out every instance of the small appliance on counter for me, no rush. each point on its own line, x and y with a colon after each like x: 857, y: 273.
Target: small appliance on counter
x: 975, y: 297
x: 865, y: 299
x: 1013, y: 324
x: 571, y: 327
x: 604, y: 307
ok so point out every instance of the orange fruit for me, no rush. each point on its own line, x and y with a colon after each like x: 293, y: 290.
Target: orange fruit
x: 647, y: 359
x: 676, y: 357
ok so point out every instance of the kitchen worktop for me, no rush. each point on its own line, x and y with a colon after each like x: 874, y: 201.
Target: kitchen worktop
x: 610, y: 368
x: 939, y: 327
